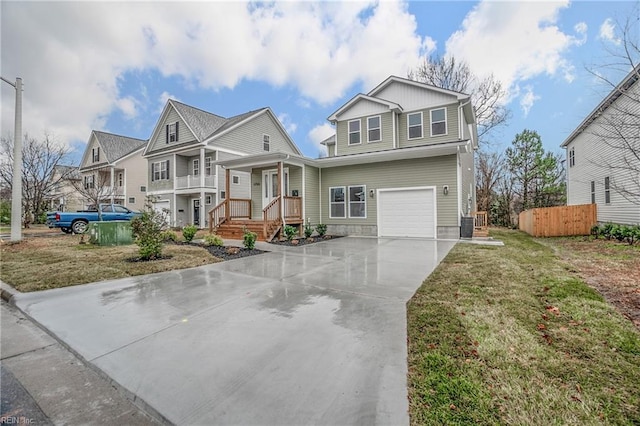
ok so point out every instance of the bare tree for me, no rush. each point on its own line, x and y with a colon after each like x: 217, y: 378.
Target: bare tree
x: 40, y: 158
x: 487, y: 93
x: 618, y: 124
x: 490, y: 168
x: 96, y: 187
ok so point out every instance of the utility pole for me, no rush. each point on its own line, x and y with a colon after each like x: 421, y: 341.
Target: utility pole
x: 16, y: 186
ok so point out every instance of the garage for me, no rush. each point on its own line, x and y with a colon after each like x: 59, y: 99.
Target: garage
x: 163, y: 206
x: 407, y: 212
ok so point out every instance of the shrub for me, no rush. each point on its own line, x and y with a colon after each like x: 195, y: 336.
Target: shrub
x: 289, y: 232
x: 606, y: 229
x: 595, y: 231
x: 147, y: 230
x: 308, y: 229
x: 321, y: 229
x: 168, y: 235
x: 249, y: 239
x: 213, y: 240
x: 188, y: 232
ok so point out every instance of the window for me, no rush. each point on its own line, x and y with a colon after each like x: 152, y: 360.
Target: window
x: 89, y: 182
x: 607, y: 191
x: 160, y: 170
x: 438, y: 122
x: 354, y: 132
x: 414, y: 122
x: 122, y: 209
x: 207, y: 166
x: 593, y: 192
x: 207, y: 199
x: 266, y: 142
x: 235, y: 179
x: 358, y: 201
x: 172, y: 132
x: 143, y: 189
x: 196, y: 167
x: 337, y: 202
x: 120, y: 179
x: 374, y: 132
x: 107, y: 209
x: 95, y: 154
x: 572, y: 157
x: 223, y: 195
x: 132, y: 200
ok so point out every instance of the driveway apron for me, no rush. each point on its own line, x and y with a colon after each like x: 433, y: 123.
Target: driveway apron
x: 302, y: 335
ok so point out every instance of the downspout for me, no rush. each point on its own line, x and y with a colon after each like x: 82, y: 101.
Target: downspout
x: 281, y: 177
x: 394, y: 117
x: 320, y: 193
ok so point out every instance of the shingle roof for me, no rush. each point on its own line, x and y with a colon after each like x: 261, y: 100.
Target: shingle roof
x: 232, y: 121
x: 115, y: 146
x: 70, y: 172
x: 202, y: 123
x: 331, y: 140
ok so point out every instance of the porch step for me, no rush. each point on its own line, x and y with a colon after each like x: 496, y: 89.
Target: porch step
x: 235, y: 230
x: 479, y: 233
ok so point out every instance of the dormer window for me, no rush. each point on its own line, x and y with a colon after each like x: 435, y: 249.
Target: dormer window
x: 374, y: 129
x: 172, y: 132
x: 95, y: 154
x: 438, y: 122
x: 414, y: 122
x: 354, y: 132
x: 266, y: 142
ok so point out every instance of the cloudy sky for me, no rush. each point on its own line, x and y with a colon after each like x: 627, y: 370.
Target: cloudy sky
x: 112, y: 66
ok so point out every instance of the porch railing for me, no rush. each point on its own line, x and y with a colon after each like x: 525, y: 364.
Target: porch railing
x: 186, y: 182
x: 271, y: 217
x: 292, y: 208
x: 480, y: 222
x: 238, y: 208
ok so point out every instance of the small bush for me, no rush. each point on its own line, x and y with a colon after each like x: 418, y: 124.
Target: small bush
x: 595, y: 231
x: 213, y: 240
x: 249, y: 239
x: 308, y: 229
x: 289, y: 232
x: 168, y: 235
x: 321, y: 229
x: 188, y: 232
x: 623, y: 233
x: 147, y: 230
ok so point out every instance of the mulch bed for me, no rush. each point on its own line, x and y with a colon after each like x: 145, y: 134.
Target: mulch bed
x: 304, y: 241
x: 229, y: 253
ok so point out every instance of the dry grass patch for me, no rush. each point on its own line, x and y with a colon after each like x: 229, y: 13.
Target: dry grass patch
x: 51, y: 262
x: 510, y: 335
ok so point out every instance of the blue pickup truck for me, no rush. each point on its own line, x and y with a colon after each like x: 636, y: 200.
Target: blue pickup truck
x: 77, y: 222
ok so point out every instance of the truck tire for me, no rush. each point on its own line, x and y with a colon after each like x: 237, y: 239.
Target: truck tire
x: 79, y: 226
x: 66, y: 230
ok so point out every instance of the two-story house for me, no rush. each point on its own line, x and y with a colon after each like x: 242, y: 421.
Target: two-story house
x: 184, y: 154
x: 113, y: 170
x: 64, y: 195
x: 603, y: 155
x: 401, y: 164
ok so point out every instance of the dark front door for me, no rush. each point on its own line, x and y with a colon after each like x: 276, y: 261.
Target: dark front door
x: 196, y: 212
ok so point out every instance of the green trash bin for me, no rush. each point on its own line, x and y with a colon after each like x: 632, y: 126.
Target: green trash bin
x: 113, y: 233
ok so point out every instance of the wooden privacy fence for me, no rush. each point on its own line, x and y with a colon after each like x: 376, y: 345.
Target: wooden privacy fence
x: 558, y: 221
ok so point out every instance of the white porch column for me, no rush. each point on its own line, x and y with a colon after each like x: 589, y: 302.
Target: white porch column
x: 280, y: 189
x: 203, y: 213
x: 113, y: 184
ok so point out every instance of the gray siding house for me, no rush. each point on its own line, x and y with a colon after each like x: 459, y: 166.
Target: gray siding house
x: 401, y: 164
x: 603, y: 155
x: 185, y: 152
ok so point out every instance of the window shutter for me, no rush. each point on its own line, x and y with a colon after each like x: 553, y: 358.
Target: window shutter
x: 168, y: 174
x: 166, y: 128
x: 98, y: 154
x: 177, y: 123
x: 153, y: 169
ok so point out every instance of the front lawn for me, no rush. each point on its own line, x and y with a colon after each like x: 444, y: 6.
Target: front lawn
x: 512, y: 335
x: 59, y: 261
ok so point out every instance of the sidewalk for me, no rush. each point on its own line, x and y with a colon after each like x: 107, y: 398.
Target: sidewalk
x: 44, y: 383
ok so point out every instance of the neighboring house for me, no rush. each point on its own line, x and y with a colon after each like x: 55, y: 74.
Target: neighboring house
x: 113, y: 165
x: 64, y: 195
x: 186, y: 148
x: 603, y: 165
x: 400, y: 164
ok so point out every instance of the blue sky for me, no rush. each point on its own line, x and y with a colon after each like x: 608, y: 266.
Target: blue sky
x: 111, y: 66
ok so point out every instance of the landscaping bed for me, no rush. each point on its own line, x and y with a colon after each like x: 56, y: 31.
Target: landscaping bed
x: 304, y: 241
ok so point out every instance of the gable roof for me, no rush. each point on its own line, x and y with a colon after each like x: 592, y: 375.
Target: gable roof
x: 331, y: 140
x: 201, y: 123
x: 631, y: 79
x: 231, y: 122
x: 116, y: 146
x: 394, y: 79
x: 359, y: 97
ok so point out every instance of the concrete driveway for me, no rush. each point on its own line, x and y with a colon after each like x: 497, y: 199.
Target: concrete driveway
x: 301, y: 335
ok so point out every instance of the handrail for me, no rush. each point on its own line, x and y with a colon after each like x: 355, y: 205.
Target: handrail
x: 217, y: 216
x: 480, y: 221
x: 271, y: 216
x: 292, y: 207
x: 239, y: 208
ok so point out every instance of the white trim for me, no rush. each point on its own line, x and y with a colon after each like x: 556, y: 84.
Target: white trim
x: 411, y: 188
x: 349, y: 201
x: 303, y: 193
x: 408, y: 82
x: 320, y: 193
x: 349, y: 132
x: 431, y: 122
x: 409, y: 138
x: 459, y: 187
x: 267, y: 141
x: 161, y: 192
x: 228, y: 151
x: 194, y: 162
x: 394, y: 118
x: 391, y: 105
x: 379, y: 117
x: 344, y: 189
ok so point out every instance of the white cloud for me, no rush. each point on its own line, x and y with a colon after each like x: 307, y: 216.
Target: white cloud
x: 608, y: 32
x: 72, y: 74
x: 581, y: 28
x: 527, y: 100
x: 287, y: 123
x: 320, y: 133
x: 162, y: 100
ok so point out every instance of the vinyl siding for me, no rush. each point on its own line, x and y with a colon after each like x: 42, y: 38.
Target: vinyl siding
x: 593, y: 158
x: 135, y: 176
x: 87, y: 160
x: 295, y: 182
x: 331, y: 150
x: 248, y: 137
x: 414, y: 98
x: 311, y: 199
x: 160, y: 185
x: 434, y: 171
x: 468, y: 182
x: 159, y: 142
x: 343, y: 136
x: 452, y: 127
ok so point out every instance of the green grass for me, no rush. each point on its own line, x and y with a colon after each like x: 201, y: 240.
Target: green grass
x: 509, y: 335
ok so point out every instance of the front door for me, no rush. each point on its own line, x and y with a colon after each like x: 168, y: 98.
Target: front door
x: 196, y: 212
x: 270, y: 185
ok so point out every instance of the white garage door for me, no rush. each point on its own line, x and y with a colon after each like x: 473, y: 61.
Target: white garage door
x: 160, y: 206
x: 406, y: 213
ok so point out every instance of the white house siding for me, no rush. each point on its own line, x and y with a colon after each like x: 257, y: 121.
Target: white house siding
x: 159, y: 141
x: 412, y: 98
x: 450, y: 136
x: 343, y: 135
x: 592, y: 157
x: 135, y: 176
x: 248, y: 137
x: 420, y: 172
